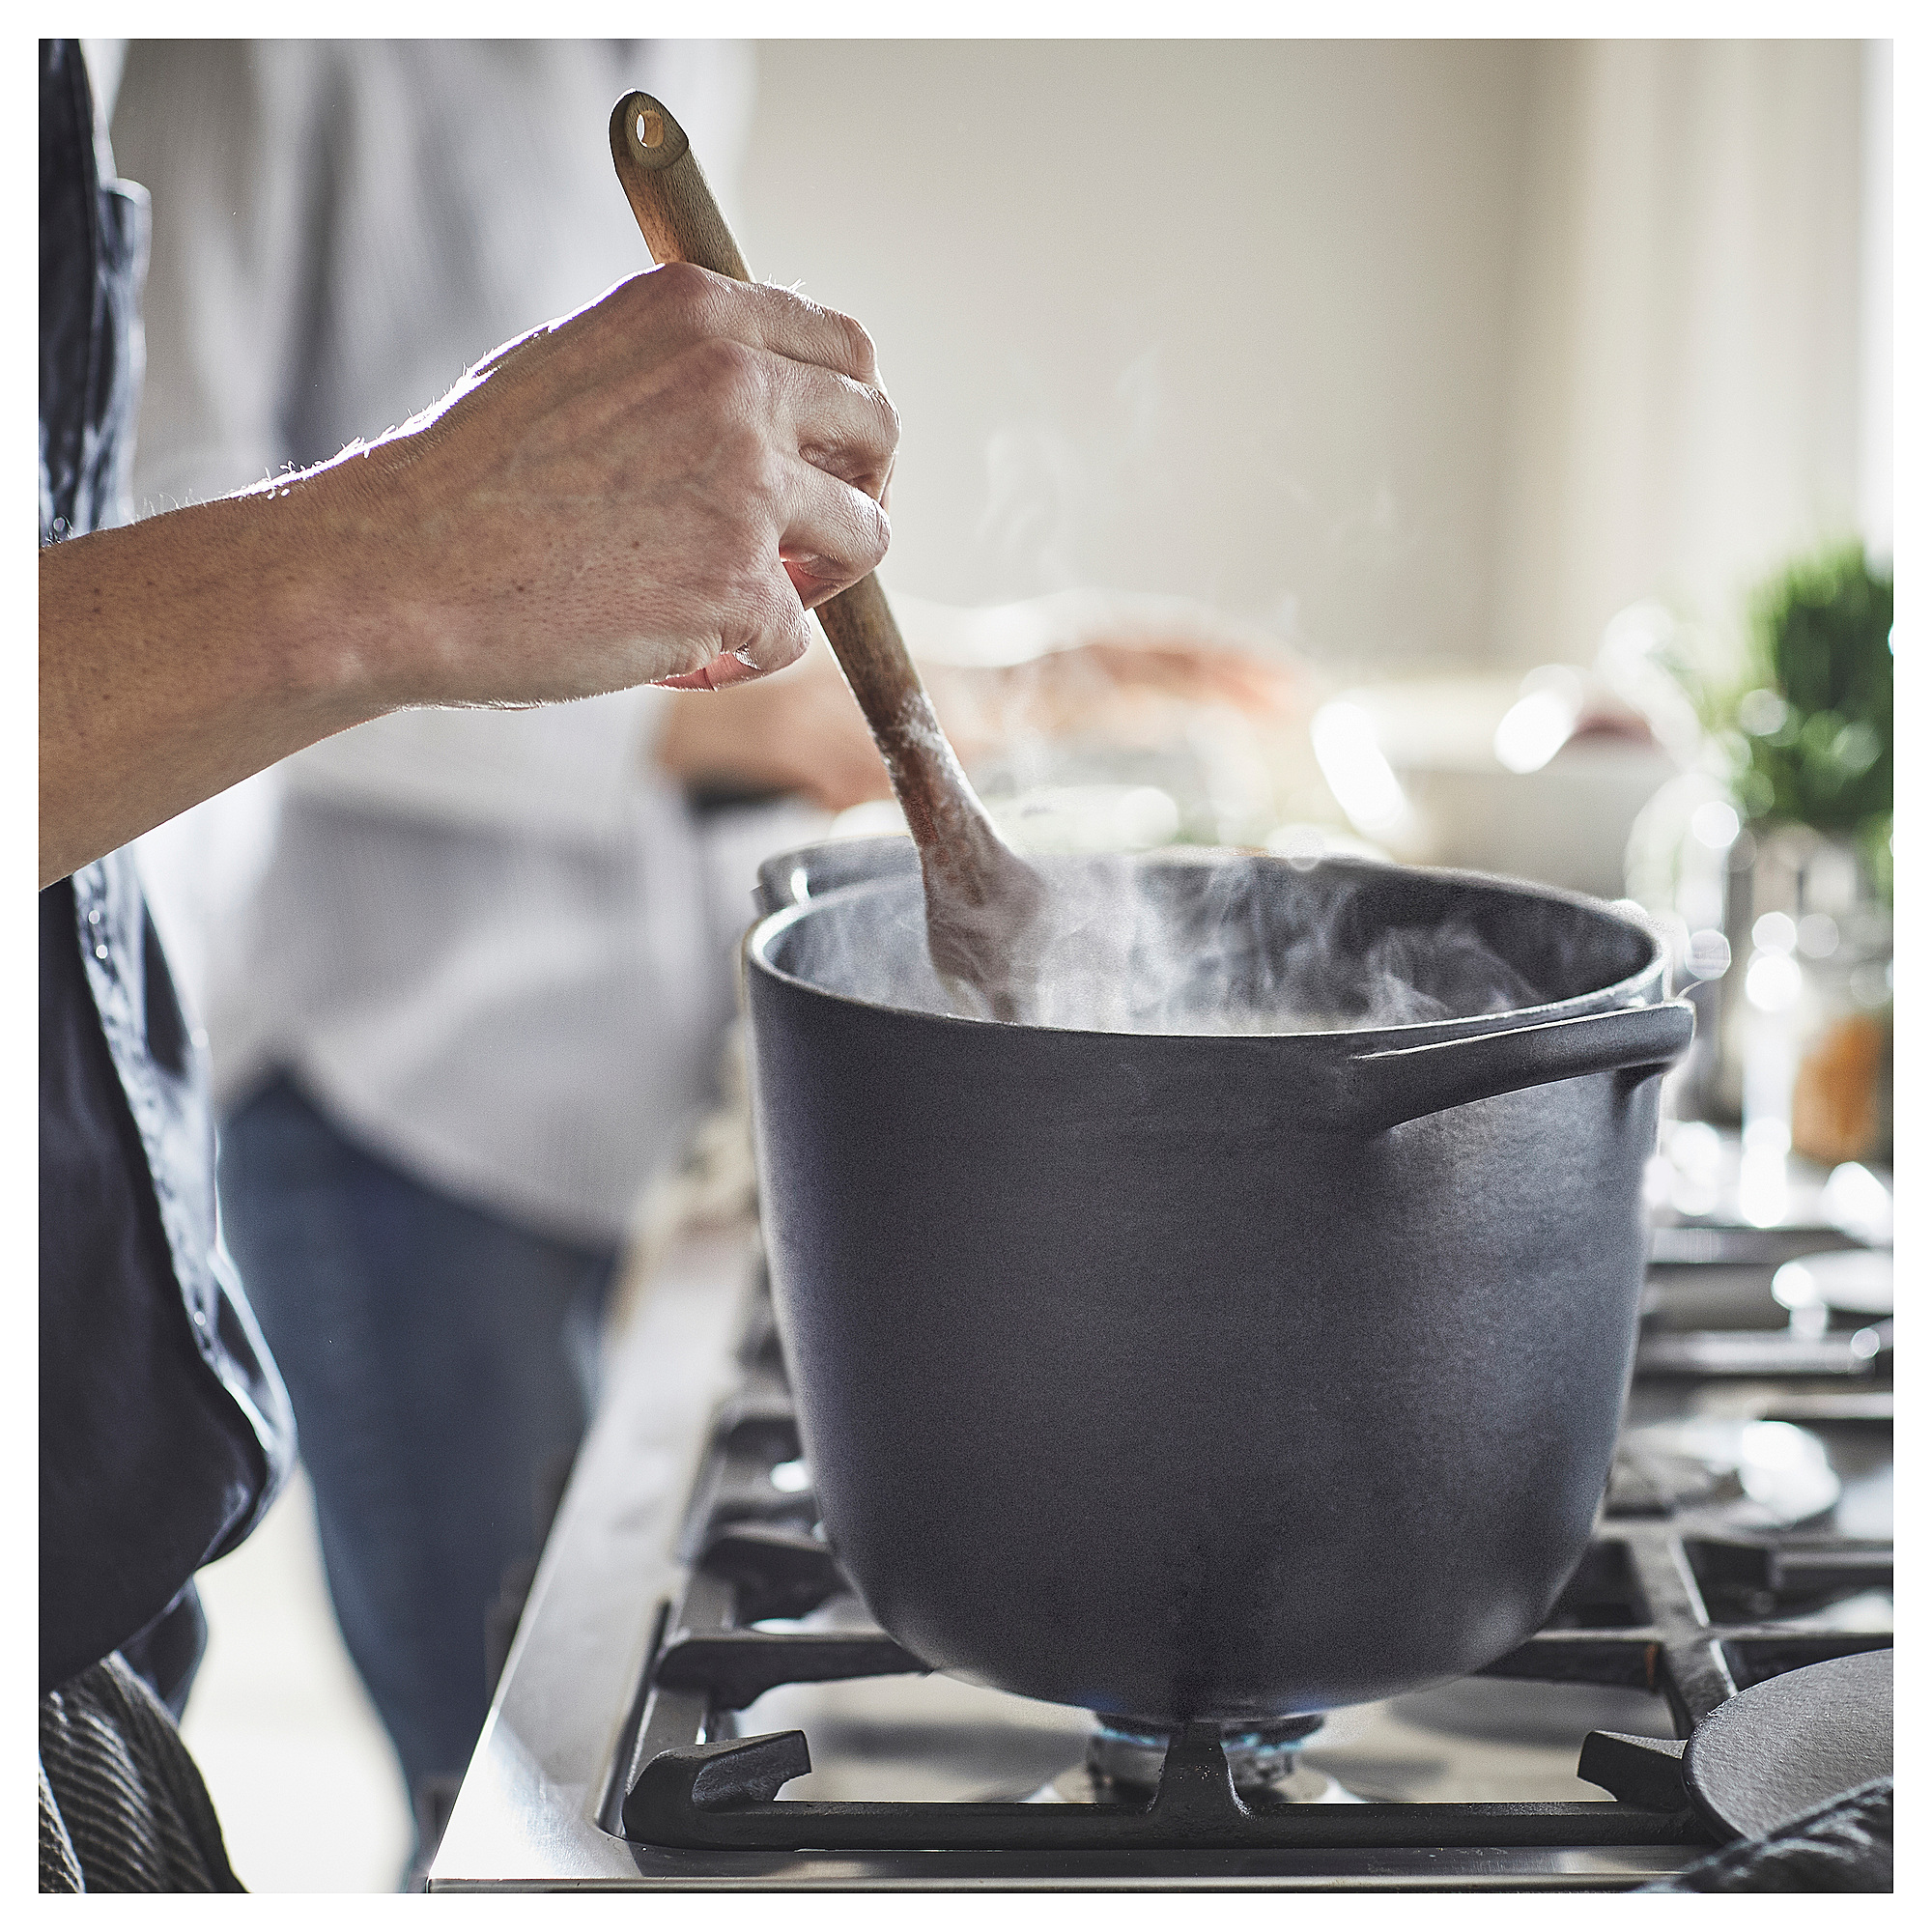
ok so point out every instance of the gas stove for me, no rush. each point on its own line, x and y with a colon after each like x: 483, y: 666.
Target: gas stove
x: 696, y: 1700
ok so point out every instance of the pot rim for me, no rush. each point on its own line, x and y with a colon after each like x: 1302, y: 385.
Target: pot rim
x: 1634, y: 989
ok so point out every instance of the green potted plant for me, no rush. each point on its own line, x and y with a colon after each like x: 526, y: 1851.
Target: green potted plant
x: 1811, y: 730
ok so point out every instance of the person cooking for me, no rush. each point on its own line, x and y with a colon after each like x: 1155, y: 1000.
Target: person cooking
x: 474, y: 1003
x: 655, y: 488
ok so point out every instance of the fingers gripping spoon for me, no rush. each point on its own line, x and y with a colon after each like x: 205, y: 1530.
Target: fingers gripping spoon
x: 982, y: 902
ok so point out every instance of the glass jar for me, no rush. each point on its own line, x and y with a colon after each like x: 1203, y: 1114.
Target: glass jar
x: 1812, y: 1007
x: 1783, y: 945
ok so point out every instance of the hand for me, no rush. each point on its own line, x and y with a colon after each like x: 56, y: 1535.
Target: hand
x: 656, y: 489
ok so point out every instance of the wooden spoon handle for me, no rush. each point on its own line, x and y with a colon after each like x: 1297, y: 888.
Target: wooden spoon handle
x: 672, y: 202
x: 943, y: 811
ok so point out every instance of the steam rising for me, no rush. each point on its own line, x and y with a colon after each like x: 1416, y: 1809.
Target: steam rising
x: 1130, y: 945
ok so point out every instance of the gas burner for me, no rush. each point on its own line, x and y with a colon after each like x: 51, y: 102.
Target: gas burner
x: 1126, y: 1753
x: 1671, y: 1597
x: 1852, y: 1288
x: 1296, y: 1783
x: 1746, y: 1474
x: 1807, y: 1301
x: 1125, y: 1757
x: 1662, y: 1602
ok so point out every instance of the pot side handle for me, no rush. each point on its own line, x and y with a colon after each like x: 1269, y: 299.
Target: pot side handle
x: 1381, y: 1090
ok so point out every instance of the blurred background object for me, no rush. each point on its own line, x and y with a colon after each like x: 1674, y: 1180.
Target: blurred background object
x: 303, y: 1776
x: 1540, y: 777
x: 1816, y: 724
x: 1464, y: 387
x: 1773, y: 863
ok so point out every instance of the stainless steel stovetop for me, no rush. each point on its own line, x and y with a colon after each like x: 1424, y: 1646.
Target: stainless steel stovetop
x: 1747, y: 1532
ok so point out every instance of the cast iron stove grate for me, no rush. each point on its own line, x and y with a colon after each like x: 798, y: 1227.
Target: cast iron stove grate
x: 1661, y: 1603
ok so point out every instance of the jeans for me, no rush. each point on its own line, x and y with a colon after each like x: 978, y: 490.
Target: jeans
x: 440, y: 1361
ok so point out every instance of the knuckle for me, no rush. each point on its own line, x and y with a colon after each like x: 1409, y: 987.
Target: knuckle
x: 884, y: 447
x: 692, y: 303
x: 774, y: 630
x: 718, y: 361
x: 680, y: 285
x: 856, y: 345
x: 872, y: 538
x: 755, y: 467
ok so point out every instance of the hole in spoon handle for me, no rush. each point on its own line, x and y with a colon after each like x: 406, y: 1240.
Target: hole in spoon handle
x: 667, y: 191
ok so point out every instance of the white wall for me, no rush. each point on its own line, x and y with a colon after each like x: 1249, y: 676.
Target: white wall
x: 1218, y: 319
x: 1685, y: 398
x: 1418, y: 350
x: 1875, y: 298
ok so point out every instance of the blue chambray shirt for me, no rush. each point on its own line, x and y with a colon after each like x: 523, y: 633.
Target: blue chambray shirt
x: 165, y: 1432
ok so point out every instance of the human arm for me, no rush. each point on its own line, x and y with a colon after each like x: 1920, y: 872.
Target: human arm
x: 330, y: 245
x: 654, y: 490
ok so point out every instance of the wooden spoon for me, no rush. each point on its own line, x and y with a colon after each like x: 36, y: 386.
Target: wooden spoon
x: 982, y: 902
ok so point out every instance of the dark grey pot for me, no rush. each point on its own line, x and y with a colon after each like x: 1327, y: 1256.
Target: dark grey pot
x: 1207, y: 1376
